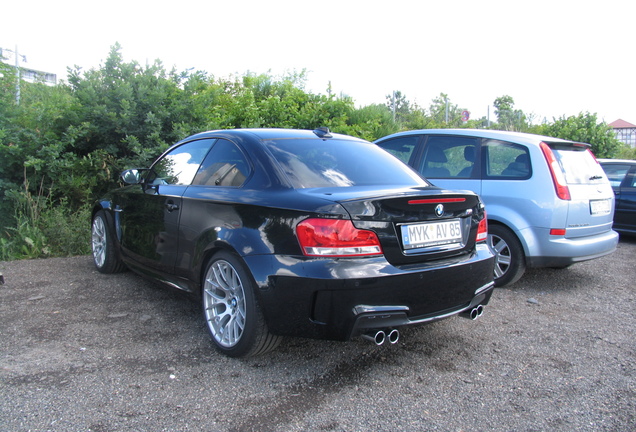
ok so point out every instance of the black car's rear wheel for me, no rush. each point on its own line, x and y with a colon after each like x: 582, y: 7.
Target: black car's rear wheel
x: 231, y: 312
x: 510, y: 261
x: 104, y: 254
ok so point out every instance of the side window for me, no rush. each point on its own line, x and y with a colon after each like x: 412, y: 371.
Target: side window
x: 450, y: 157
x: 402, y: 148
x: 225, y: 165
x: 616, y: 173
x: 180, y: 165
x: 632, y: 182
x: 507, y: 160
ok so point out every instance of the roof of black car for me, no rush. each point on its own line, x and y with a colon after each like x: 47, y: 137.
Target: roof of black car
x: 268, y: 133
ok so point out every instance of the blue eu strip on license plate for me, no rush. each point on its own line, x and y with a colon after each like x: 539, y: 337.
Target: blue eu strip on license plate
x: 431, y: 234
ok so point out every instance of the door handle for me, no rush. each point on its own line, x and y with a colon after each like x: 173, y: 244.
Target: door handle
x: 172, y: 206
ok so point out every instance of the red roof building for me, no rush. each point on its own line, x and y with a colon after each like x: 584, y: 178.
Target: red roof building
x: 625, y: 132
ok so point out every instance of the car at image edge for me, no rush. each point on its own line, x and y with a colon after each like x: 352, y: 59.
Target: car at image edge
x: 548, y: 201
x: 300, y: 233
x: 622, y: 176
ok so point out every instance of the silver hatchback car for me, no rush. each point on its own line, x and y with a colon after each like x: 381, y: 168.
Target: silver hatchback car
x: 548, y: 200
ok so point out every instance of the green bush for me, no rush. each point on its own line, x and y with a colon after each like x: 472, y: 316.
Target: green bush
x: 63, y: 146
x: 44, y: 228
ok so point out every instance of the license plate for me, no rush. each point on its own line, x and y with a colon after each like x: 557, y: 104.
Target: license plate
x: 600, y: 207
x: 431, y: 234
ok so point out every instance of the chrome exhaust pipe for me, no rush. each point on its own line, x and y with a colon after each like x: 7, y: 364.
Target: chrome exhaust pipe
x: 474, y: 313
x: 378, y: 337
x: 394, y: 336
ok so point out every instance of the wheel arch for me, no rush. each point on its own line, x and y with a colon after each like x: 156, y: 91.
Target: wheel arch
x: 522, y: 235
x: 100, y: 205
x: 209, y: 253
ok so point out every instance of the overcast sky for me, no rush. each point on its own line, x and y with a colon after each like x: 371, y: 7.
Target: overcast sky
x: 555, y: 57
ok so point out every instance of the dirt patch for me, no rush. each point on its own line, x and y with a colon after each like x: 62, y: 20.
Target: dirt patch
x: 85, y: 351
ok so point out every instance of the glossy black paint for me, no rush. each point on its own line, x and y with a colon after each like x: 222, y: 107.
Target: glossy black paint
x: 622, y: 176
x: 169, y: 232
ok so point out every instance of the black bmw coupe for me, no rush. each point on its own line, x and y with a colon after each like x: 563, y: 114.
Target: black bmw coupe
x: 297, y: 232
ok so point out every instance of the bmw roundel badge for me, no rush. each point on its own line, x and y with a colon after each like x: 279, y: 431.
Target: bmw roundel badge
x: 439, y: 210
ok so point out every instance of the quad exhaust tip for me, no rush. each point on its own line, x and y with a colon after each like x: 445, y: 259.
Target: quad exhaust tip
x: 473, y: 313
x: 380, y: 336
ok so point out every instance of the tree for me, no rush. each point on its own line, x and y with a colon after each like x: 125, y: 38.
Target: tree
x: 371, y: 122
x: 444, y: 113
x: 508, y: 118
x: 125, y: 109
x: 400, y: 106
x: 586, y: 128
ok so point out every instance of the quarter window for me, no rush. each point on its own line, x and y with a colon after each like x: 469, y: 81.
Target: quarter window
x: 507, y: 160
x: 225, y: 165
x: 402, y: 148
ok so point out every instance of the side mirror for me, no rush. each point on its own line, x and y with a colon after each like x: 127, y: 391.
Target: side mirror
x: 131, y: 176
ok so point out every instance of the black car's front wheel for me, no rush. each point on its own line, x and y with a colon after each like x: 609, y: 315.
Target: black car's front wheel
x: 231, y: 311
x: 103, y: 246
x: 510, y: 261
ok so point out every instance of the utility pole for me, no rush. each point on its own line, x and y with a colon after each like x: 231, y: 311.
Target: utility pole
x: 488, y: 116
x: 446, y: 110
x: 17, y: 76
x: 393, y: 105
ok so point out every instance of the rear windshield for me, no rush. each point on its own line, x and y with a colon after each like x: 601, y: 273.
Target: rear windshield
x: 578, y: 164
x: 312, y: 163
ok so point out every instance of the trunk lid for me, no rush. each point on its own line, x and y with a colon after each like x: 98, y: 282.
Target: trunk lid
x: 415, y: 225
x: 591, y: 207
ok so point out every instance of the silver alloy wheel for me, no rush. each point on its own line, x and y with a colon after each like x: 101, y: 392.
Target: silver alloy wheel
x: 99, y: 241
x: 503, y: 256
x: 224, y: 303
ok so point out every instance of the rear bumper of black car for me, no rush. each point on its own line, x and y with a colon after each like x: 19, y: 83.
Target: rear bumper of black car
x: 382, y: 317
x: 338, y: 299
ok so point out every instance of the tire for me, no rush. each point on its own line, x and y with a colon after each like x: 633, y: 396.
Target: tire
x: 104, y: 254
x: 232, y: 315
x: 510, y: 260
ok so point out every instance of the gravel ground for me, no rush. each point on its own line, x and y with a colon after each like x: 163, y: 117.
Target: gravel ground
x: 82, y: 351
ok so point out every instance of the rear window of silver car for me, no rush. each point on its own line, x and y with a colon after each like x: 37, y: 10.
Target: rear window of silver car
x: 578, y: 165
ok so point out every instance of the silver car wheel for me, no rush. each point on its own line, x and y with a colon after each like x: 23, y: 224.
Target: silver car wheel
x: 503, y: 256
x: 99, y: 241
x: 224, y: 303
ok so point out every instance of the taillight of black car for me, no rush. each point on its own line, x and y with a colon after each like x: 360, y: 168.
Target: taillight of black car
x: 336, y: 238
x: 482, y: 230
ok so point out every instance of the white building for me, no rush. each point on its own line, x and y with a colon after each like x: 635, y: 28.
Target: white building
x: 625, y: 132
x: 27, y: 74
